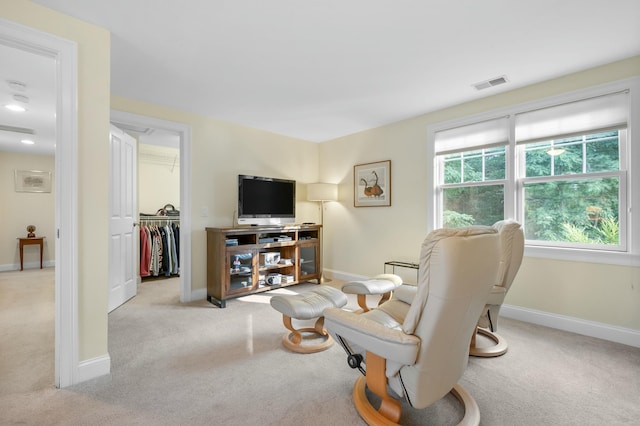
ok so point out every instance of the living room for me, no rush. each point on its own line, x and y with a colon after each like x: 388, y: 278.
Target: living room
x: 587, y: 297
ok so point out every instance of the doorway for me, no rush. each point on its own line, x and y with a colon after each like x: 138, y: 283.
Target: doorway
x: 181, y: 134
x: 64, y: 55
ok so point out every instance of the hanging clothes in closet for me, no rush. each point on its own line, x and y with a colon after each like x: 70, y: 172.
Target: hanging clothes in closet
x: 159, y: 246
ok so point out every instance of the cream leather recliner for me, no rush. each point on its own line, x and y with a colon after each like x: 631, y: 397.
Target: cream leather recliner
x: 417, y: 343
x: 511, y: 252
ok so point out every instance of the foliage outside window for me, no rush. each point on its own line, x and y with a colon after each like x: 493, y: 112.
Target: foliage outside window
x: 473, y: 193
x: 569, y: 189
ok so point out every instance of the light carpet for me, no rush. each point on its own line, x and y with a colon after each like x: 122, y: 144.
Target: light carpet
x: 196, y: 364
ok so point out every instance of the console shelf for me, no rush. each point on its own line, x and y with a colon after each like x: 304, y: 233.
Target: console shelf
x: 242, y: 261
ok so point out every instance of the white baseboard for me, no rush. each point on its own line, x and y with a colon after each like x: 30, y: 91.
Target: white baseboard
x: 612, y: 333
x: 345, y: 276
x: 93, y: 368
x: 27, y: 265
x: 198, y: 294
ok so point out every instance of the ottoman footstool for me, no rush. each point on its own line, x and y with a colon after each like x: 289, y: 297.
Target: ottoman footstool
x: 307, y: 306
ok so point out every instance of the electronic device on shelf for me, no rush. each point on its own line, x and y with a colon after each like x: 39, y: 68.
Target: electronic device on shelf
x: 265, y: 200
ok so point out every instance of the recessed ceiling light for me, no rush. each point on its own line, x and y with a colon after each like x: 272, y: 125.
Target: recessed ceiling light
x: 17, y: 85
x: 21, y: 98
x: 27, y: 141
x: 15, y: 108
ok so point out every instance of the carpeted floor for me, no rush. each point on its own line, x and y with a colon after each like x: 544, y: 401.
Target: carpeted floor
x: 195, y: 364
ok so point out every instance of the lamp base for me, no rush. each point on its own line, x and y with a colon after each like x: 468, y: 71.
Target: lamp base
x: 323, y: 279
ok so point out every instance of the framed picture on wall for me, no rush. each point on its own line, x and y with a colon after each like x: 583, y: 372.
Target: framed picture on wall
x: 372, y: 184
x: 32, y: 181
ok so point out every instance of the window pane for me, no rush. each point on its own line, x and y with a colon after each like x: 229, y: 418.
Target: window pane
x: 603, y: 152
x: 538, y: 162
x: 452, y: 169
x: 476, y: 205
x: 494, y: 163
x: 468, y: 166
x: 577, y: 211
x: 570, y: 160
x: 472, y: 166
x: 583, y: 154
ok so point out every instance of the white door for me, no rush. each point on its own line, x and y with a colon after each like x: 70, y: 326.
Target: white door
x: 122, y: 230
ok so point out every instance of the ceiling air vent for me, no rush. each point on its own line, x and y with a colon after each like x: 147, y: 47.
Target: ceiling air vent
x: 17, y: 129
x: 490, y: 83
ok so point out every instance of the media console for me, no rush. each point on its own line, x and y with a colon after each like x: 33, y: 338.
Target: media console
x: 246, y: 260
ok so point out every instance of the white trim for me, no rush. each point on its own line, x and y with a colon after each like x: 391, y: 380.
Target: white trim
x: 94, y: 367
x: 27, y: 265
x: 186, y: 292
x: 65, y: 53
x: 343, y: 276
x: 612, y: 333
x: 199, y: 294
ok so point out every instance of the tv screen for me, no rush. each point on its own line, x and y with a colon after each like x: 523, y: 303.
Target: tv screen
x: 266, y: 201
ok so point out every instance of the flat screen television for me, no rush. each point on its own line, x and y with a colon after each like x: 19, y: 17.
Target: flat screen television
x: 266, y: 201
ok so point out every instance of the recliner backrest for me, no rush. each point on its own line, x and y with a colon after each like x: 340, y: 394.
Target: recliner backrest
x: 458, y: 267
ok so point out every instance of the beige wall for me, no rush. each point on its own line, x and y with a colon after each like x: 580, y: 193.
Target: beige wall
x: 220, y: 151
x: 158, y: 178
x: 360, y: 240
x: 19, y: 209
x: 93, y: 148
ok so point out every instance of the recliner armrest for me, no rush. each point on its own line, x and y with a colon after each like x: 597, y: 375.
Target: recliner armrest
x: 389, y: 343
x: 406, y: 293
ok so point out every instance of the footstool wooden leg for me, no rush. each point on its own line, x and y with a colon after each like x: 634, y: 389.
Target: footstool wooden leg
x: 319, y: 327
x: 294, y: 336
x: 306, y: 307
x: 293, y: 340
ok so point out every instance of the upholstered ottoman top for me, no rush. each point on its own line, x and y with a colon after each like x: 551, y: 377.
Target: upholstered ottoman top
x: 310, y: 304
x: 380, y: 284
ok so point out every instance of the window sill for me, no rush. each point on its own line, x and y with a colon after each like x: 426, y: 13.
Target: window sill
x: 583, y: 255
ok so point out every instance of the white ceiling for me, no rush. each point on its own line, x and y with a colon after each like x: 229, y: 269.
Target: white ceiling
x: 37, y: 73
x: 320, y: 70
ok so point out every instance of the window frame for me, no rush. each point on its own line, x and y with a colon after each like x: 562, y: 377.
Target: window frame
x: 628, y: 250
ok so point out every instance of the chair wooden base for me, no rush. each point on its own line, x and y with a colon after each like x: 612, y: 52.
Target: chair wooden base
x: 390, y: 409
x: 500, y: 348
x: 362, y: 300
x: 293, y: 340
x: 374, y: 418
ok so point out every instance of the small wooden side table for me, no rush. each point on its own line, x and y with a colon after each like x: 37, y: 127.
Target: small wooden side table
x: 31, y: 241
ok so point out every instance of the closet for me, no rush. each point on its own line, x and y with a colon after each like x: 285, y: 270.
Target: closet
x: 159, y: 246
x: 158, y: 193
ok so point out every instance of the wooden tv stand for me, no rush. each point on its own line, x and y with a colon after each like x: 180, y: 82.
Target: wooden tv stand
x: 242, y: 261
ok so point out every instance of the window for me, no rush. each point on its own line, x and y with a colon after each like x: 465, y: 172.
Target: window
x: 571, y: 191
x: 560, y: 167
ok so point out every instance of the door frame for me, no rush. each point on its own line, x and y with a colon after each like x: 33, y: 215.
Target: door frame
x: 184, y: 132
x: 65, y: 54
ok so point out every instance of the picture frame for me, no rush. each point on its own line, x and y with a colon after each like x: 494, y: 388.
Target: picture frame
x: 32, y: 181
x: 372, y: 184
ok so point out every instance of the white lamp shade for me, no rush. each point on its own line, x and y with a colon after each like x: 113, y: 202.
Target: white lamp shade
x: 322, y: 192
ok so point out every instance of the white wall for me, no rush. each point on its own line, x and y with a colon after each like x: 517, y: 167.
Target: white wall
x: 19, y: 209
